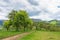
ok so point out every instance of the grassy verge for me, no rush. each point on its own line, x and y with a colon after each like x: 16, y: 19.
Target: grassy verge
x: 42, y: 35
x: 4, y: 34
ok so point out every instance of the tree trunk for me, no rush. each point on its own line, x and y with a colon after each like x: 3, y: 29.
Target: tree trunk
x: 7, y: 29
x: 24, y: 28
x: 17, y: 28
x: 36, y: 28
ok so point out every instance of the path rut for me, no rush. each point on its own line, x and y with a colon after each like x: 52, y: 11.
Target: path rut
x: 16, y: 36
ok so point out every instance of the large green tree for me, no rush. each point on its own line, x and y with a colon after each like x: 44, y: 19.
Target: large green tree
x: 20, y: 19
x: 24, y: 19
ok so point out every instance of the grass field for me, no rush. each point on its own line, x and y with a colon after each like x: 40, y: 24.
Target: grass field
x: 4, y: 34
x: 42, y: 35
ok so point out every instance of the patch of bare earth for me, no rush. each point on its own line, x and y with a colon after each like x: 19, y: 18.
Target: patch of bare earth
x: 16, y: 36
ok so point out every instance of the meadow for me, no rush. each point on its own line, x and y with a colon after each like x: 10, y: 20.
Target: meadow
x: 5, y: 34
x: 20, y: 21
x: 42, y: 35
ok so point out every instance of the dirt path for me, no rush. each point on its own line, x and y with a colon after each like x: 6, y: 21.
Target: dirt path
x: 16, y: 36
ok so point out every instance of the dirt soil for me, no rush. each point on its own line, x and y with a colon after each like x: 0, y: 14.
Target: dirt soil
x: 16, y: 36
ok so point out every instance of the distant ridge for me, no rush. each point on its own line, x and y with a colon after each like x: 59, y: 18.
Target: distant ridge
x: 36, y: 20
x: 1, y: 22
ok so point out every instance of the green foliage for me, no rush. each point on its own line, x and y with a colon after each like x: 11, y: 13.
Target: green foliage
x: 18, y: 19
x: 7, y: 24
x: 47, y: 26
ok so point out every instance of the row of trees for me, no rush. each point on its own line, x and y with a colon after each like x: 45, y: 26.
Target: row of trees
x: 19, y: 20
x: 48, y: 26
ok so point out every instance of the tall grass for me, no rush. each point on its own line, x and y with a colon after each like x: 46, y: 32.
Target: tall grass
x: 42, y: 35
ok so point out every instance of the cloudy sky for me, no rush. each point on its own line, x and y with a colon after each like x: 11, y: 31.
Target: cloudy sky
x: 37, y: 9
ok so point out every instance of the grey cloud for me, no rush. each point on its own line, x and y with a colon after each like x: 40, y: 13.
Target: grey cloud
x: 58, y: 6
x: 33, y: 2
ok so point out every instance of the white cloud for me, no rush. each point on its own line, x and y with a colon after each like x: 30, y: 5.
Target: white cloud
x: 51, y: 6
x: 3, y: 18
x: 43, y: 16
x: 2, y: 2
x: 47, y: 8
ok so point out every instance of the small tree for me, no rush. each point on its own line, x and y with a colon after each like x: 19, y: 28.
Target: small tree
x: 7, y: 24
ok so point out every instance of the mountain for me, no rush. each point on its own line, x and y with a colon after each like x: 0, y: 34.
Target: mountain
x: 36, y: 20
x: 55, y: 22
x: 1, y: 22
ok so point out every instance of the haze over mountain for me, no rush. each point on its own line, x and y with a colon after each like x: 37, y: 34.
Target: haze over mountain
x: 1, y: 22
